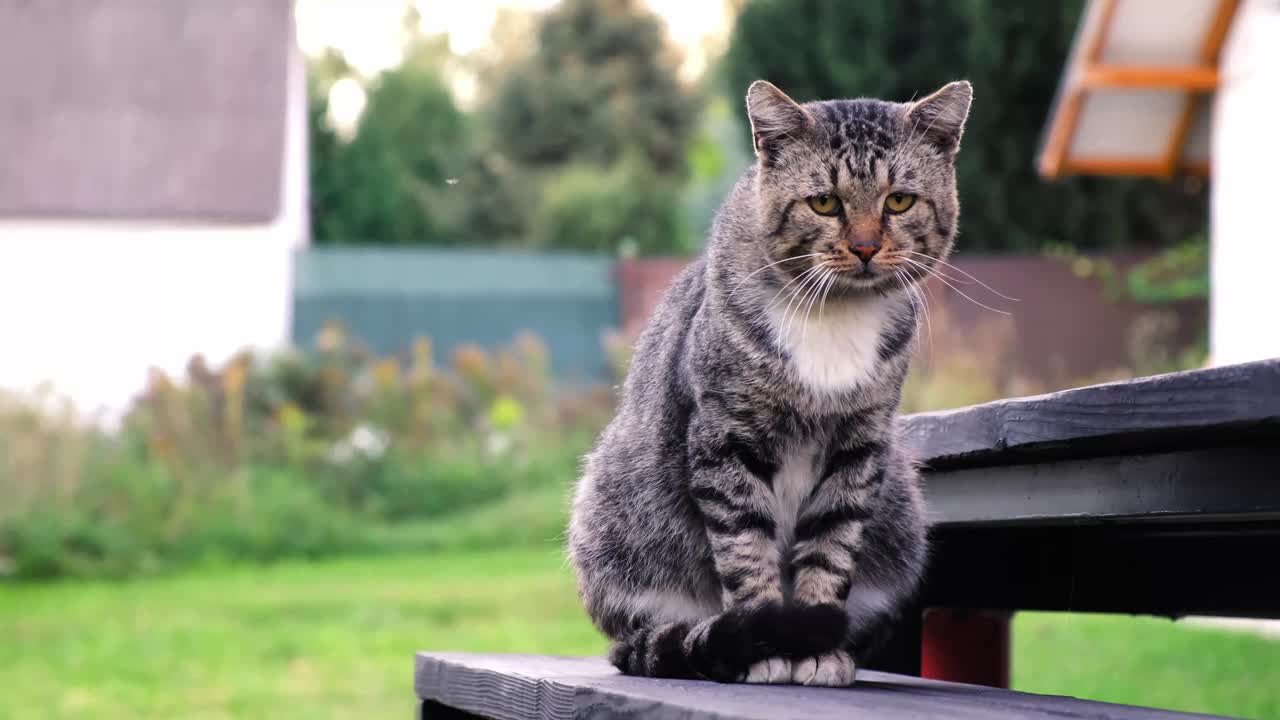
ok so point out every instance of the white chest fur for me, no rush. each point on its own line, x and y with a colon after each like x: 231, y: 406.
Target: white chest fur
x: 869, y: 598
x: 837, y: 349
x: 792, y: 484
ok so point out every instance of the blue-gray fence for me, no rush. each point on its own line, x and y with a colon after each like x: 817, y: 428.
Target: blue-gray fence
x: 388, y: 297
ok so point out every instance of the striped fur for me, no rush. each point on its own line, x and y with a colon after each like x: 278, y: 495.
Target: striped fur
x: 749, y: 514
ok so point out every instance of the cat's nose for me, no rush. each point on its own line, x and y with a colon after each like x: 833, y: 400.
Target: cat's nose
x: 865, y: 251
x: 864, y: 240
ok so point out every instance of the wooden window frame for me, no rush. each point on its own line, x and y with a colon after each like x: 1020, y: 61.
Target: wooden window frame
x: 1088, y: 73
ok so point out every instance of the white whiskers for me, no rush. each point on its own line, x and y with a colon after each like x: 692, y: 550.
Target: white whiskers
x: 820, y: 291
x: 802, y: 276
x: 931, y: 272
x: 921, y: 305
x: 802, y: 295
x: 962, y: 272
x: 766, y: 267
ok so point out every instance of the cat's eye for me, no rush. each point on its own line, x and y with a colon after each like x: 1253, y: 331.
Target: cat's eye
x: 899, y: 202
x: 825, y: 204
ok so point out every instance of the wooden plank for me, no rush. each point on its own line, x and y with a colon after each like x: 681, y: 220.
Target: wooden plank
x: 1208, y: 567
x: 1237, y: 482
x: 1181, y: 129
x: 1087, y: 51
x: 1214, y: 37
x: 1217, y: 34
x: 1198, y: 408
x: 1129, y: 166
x: 549, y: 688
x: 1193, y: 78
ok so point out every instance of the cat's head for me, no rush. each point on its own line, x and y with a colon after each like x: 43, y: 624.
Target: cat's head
x: 864, y: 189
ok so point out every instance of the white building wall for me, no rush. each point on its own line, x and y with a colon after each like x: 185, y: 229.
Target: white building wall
x: 1245, y: 192
x: 88, y: 307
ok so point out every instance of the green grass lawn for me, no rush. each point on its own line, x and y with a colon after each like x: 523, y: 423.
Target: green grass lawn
x: 336, y: 639
x: 1148, y: 661
x: 331, y: 640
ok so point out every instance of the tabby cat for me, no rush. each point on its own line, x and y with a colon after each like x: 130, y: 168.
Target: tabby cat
x: 750, y: 513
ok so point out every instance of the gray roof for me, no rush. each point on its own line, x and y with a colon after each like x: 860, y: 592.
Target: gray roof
x: 143, y: 109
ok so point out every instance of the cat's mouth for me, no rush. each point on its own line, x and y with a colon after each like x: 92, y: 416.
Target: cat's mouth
x: 874, y: 270
x: 857, y: 270
x: 861, y: 276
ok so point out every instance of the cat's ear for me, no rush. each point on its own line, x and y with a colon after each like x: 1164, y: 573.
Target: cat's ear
x: 775, y: 118
x: 940, y: 118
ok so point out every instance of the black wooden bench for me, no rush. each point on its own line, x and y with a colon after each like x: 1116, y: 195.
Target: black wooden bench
x: 1154, y: 496
x: 515, y: 687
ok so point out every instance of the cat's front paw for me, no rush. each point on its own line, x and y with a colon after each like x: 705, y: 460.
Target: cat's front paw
x: 770, y: 671
x: 834, y: 669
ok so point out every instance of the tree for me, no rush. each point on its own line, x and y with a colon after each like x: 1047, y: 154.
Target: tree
x: 588, y: 130
x: 386, y: 184
x: 601, y: 81
x: 626, y: 205
x: 1013, y: 52
x: 580, y: 143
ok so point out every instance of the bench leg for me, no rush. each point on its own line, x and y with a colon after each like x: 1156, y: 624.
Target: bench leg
x: 968, y: 646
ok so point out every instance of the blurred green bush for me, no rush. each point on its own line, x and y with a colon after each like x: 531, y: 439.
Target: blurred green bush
x: 337, y: 450
x: 290, y: 455
x: 626, y: 207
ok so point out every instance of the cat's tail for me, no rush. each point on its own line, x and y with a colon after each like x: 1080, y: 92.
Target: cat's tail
x: 724, y: 646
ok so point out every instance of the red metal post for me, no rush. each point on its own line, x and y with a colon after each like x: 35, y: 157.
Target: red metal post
x: 968, y: 646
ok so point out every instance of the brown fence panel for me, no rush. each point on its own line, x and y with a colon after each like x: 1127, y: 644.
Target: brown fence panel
x: 1061, y: 330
